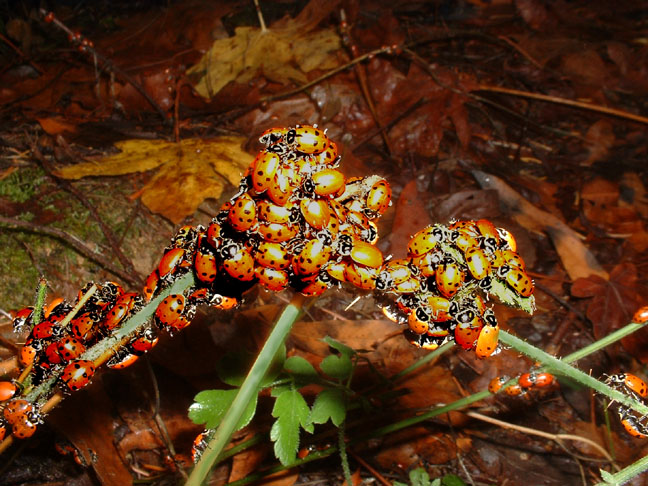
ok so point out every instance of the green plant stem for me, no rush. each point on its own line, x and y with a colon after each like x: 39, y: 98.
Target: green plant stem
x: 344, y: 458
x: 424, y: 360
x: 625, y: 475
x: 248, y: 389
x: 563, y: 368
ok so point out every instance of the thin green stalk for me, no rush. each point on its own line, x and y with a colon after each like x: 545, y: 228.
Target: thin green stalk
x: 565, y: 369
x: 247, y: 391
x: 344, y: 458
x: 426, y: 359
x: 624, y: 475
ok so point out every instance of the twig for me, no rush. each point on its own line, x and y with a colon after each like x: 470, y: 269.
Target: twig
x: 105, y: 229
x: 564, y: 101
x: 381, y: 479
x: 71, y: 240
x: 109, y: 65
x: 21, y: 54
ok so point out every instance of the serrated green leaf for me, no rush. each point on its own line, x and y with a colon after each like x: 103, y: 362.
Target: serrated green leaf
x: 275, y: 391
x: 297, y: 365
x: 330, y: 403
x: 452, y: 480
x: 342, y: 348
x: 339, y: 367
x: 209, y: 408
x: 291, y: 412
x: 234, y: 367
x: 608, y: 478
x: 419, y: 477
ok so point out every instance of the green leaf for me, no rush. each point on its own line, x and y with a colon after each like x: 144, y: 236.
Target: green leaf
x: 291, y: 412
x: 233, y: 367
x: 339, y: 367
x: 608, y: 478
x: 342, y: 348
x: 209, y: 408
x: 330, y: 403
x: 297, y: 365
x: 419, y: 477
x: 452, y: 480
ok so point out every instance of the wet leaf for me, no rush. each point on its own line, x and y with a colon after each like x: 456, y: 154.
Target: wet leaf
x: 283, y: 55
x: 209, y: 408
x: 188, y: 172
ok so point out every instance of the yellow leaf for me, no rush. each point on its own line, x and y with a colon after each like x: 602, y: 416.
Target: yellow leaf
x: 282, y: 55
x: 190, y: 171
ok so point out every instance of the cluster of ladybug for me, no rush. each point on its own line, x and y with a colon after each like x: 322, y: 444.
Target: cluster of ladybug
x: 296, y: 221
x: 526, y: 382
x: 437, y: 284
x: 634, y: 423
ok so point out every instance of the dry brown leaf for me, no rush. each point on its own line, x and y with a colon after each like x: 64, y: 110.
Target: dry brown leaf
x: 282, y: 55
x: 411, y: 216
x: 189, y: 172
x: 576, y: 258
x: 55, y: 126
x: 600, y: 139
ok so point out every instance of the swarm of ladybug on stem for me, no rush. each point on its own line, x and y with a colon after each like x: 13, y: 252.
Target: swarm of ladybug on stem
x: 296, y: 221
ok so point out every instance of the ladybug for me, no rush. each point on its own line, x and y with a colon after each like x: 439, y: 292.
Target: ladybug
x: 515, y: 391
x: 496, y: 384
x: 312, y: 258
x: 272, y: 278
x: 22, y: 318
x: 169, y: 310
x: 273, y: 213
x: 440, y: 308
x: 427, y: 263
x: 122, y: 359
x: 144, y: 342
x: 419, y: 321
x: 52, y: 355
x: 641, y: 315
x: 424, y: 341
x: 24, y: 427
x: 272, y: 255
x: 335, y: 270
x: 242, y: 215
x: 184, y: 237
x: 507, y: 240
x: 410, y: 285
x: 170, y: 260
x: 308, y: 139
x: 151, y: 285
x: 477, y: 263
x: 28, y: 353
x: 214, y: 235
x: 361, y: 276
x: 205, y: 266
x: 357, y: 221
x: 223, y: 302
x: 53, y: 308
x: 264, y: 168
x: 45, y: 330
x: 449, y: 278
x: 339, y: 212
x: 70, y: 348
x: 316, y: 212
x: 241, y: 265
x: 120, y: 310
x: 313, y: 285
x: 487, y: 341
x: 463, y: 241
x: 7, y: 390
x: 518, y: 280
x: 328, y: 183
x: 632, y: 424
x: 465, y: 226
x: 423, y: 241
x: 83, y: 327
x: 510, y: 258
x: 536, y: 380
x: 280, y: 190
x: 277, y: 232
x: 199, y: 445
x: 329, y: 156
x: 468, y: 328
x: 16, y: 408
x: 77, y: 374
x: 274, y: 135
x: 365, y: 254
x: 631, y: 382
x: 489, y: 232
x: 3, y: 431
x: 379, y: 197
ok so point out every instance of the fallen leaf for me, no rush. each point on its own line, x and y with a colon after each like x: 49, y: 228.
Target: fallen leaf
x: 576, y: 258
x: 282, y: 54
x: 55, y: 126
x: 614, y: 300
x: 600, y: 139
x: 411, y: 216
x: 189, y: 172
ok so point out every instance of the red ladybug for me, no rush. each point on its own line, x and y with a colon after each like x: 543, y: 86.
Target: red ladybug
x: 169, y: 310
x: 77, y: 374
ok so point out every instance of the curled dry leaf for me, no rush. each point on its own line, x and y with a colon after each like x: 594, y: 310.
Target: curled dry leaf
x: 189, y: 172
x: 576, y: 258
x: 282, y: 54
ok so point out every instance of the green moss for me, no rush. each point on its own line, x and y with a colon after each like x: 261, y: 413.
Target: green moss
x: 20, y: 186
